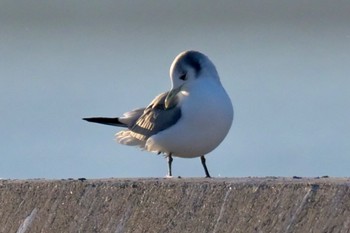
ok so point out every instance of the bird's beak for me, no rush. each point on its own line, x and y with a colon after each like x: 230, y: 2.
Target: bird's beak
x: 169, y: 100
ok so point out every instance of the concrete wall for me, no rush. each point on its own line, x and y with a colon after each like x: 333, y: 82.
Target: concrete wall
x: 176, y: 205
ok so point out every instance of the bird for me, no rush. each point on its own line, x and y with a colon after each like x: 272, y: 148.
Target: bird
x: 188, y: 121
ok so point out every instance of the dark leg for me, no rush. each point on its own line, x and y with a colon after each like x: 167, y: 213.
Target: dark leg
x: 170, y: 160
x: 205, y: 167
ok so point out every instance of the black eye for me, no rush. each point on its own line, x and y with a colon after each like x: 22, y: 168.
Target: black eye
x: 183, y: 77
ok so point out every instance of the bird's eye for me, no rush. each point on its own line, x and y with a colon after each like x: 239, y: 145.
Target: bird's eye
x: 183, y: 77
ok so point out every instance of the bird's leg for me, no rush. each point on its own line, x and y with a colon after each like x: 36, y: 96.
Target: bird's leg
x: 205, y: 167
x: 170, y: 160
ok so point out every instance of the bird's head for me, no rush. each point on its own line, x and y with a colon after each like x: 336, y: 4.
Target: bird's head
x: 187, y: 68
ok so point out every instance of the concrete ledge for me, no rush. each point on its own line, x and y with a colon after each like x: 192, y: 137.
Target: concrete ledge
x: 176, y: 205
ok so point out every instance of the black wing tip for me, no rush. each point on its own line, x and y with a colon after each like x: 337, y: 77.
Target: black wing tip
x: 101, y: 120
x: 89, y: 119
x: 105, y: 120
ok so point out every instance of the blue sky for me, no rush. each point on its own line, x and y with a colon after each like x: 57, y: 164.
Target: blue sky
x: 284, y: 64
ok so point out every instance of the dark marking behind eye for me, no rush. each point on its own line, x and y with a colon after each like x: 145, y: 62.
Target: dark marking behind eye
x: 193, y: 61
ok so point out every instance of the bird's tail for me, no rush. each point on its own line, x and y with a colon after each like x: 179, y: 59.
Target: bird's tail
x: 106, y: 121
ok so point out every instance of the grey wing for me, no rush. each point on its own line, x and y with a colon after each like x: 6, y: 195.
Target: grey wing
x: 130, y: 118
x: 156, y: 118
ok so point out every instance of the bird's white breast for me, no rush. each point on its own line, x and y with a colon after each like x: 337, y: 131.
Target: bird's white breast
x: 206, y: 117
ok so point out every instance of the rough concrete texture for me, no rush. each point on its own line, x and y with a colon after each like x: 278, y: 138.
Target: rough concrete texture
x: 176, y: 205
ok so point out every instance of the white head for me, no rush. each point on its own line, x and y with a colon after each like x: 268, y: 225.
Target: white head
x: 186, y: 68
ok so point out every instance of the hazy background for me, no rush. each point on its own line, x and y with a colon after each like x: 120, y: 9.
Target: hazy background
x: 285, y: 64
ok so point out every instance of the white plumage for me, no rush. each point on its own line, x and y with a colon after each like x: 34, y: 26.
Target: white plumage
x: 190, y: 120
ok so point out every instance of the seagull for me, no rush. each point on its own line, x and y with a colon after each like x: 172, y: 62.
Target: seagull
x: 188, y: 121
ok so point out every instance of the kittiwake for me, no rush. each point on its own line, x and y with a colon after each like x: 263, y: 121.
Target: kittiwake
x: 188, y: 121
